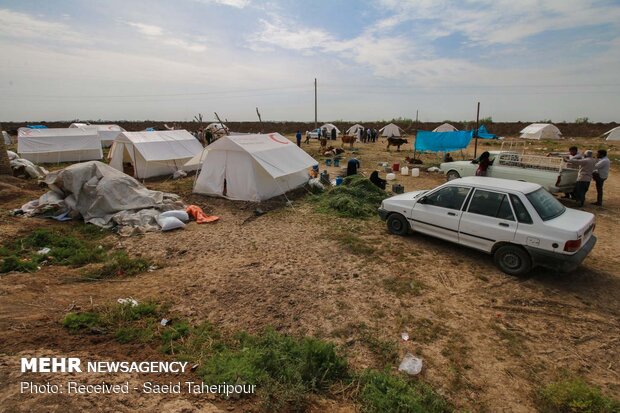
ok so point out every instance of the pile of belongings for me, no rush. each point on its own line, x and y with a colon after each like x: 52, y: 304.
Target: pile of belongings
x: 102, y: 196
x: 23, y: 167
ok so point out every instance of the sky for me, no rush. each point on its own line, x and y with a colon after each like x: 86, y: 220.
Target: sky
x: 525, y: 60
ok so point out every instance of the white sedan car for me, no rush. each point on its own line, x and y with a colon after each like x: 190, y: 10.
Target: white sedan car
x: 519, y: 223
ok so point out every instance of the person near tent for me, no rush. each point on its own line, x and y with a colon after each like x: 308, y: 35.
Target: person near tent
x: 374, y: 178
x: 584, y: 176
x: 600, y: 174
x: 352, y: 166
x: 334, y: 134
x: 324, y: 133
x: 298, y: 138
x: 368, y: 135
x: 448, y: 157
x: 483, y: 163
x: 375, y: 135
x: 208, y: 136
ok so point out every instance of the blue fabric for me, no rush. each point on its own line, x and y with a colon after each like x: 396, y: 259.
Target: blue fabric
x: 484, y: 134
x: 150, y: 129
x: 36, y: 126
x: 442, y: 141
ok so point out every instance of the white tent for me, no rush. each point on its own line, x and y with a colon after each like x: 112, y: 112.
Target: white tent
x: 541, y: 131
x: 613, y: 135
x: 154, y: 153
x: 253, y: 167
x: 353, y: 129
x: 390, y: 130
x: 217, y: 128
x: 6, y: 137
x: 445, y: 127
x: 329, y: 127
x: 107, y: 133
x: 58, y: 145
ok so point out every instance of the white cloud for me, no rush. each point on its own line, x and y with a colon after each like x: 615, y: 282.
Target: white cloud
x: 276, y: 34
x: 147, y: 29
x: 156, y: 32
x: 239, y: 4
x: 25, y: 27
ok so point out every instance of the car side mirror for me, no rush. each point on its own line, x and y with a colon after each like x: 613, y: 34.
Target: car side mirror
x: 422, y: 200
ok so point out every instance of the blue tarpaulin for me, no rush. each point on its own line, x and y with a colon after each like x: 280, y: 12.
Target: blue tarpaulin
x: 483, y: 134
x: 36, y: 126
x: 442, y: 141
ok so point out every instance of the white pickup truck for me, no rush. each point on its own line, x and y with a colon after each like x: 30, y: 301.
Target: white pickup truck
x: 552, y: 173
x: 519, y: 223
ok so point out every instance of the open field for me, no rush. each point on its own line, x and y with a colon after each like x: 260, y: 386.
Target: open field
x: 489, y: 341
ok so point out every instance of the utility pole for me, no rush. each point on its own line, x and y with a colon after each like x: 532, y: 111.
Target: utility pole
x: 416, y: 116
x: 315, y: 106
x: 476, y: 131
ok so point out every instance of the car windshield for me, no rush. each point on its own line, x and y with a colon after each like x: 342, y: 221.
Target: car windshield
x: 545, y: 204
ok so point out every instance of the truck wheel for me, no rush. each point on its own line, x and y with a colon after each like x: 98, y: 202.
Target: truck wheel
x: 397, y: 224
x: 513, y: 260
x: 452, y: 175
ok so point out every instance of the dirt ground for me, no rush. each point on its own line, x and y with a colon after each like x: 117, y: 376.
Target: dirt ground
x: 488, y: 340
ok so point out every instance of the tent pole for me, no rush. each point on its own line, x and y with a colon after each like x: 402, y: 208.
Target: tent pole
x: 476, y: 131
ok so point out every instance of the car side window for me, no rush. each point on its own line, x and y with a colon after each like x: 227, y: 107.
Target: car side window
x: 491, y: 204
x: 522, y: 215
x: 451, y: 197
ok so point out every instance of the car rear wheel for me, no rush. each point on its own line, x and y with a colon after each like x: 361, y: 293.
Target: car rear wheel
x: 513, y: 260
x: 397, y: 224
x: 452, y: 175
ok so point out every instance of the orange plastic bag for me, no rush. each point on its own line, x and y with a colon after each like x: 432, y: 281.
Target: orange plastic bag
x: 198, y: 214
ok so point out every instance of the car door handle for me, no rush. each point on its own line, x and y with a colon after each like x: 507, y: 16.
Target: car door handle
x: 503, y: 224
x: 452, y: 214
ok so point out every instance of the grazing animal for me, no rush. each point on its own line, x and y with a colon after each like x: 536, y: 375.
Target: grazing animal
x: 323, y: 143
x: 392, y: 141
x: 348, y: 139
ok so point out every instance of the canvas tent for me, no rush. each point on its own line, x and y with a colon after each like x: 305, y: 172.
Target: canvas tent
x: 353, y: 129
x: 107, y: 133
x: 253, y: 167
x: 55, y: 145
x: 541, y: 131
x: 329, y: 127
x: 613, y: 134
x: 390, y: 130
x: 154, y: 153
x: 445, y: 127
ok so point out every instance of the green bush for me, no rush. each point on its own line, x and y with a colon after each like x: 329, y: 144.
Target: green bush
x: 75, y: 322
x: 573, y: 395
x: 382, y: 392
x: 120, y: 264
x: 14, y: 263
x: 357, y: 197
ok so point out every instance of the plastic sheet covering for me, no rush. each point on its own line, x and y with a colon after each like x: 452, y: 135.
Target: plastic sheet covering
x: 484, y: 134
x: 442, y: 141
x: 105, y: 197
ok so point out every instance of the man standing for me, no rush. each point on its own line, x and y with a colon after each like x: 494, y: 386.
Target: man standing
x: 334, y: 134
x: 352, y: 166
x: 600, y: 174
x: 298, y: 137
x: 584, y: 177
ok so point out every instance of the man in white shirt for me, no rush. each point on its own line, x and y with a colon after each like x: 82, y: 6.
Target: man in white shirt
x: 600, y: 174
x: 584, y: 177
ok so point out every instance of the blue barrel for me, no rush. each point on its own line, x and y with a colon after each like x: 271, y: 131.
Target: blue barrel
x: 328, y: 162
x: 339, y: 180
x: 315, y: 168
x: 336, y: 162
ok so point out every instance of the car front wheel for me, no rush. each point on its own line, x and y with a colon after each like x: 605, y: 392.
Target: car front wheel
x: 513, y: 260
x: 397, y: 224
x: 452, y: 175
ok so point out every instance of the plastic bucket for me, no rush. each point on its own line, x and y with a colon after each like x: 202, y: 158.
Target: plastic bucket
x: 415, y: 172
x: 315, y: 168
x: 328, y: 162
x: 336, y: 163
x: 404, y: 170
x: 339, y: 180
x: 390, y: 176
x: 396, y: 167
